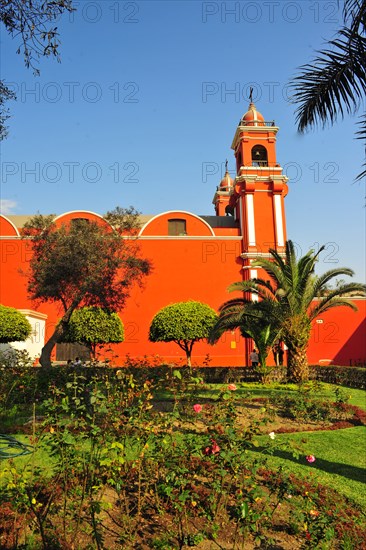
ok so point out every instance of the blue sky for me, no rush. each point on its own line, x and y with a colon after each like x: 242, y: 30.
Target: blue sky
x: 143, y: 107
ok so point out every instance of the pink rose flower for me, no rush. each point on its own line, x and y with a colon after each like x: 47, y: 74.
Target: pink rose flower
x: 213, y: 450
x: 310, y: 458
x: 231, y: 387
x: 214, y: 447
x: 197, y: 408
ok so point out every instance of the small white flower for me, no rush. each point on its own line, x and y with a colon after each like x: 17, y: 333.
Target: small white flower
x: 272, y: 435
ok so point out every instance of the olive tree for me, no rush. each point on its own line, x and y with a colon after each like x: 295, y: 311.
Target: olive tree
x: 183, y: 323
x: 83, y: 263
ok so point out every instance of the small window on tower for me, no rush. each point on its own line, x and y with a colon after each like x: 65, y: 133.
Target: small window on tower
x: 177, y: 227
x: 259, y: 156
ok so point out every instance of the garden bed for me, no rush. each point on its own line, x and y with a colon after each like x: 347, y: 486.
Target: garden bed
x: 276, y: 415
x: 174, y: 463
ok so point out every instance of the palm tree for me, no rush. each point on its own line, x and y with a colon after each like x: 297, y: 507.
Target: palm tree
x: 254, y: 319
x: 335, y: 82
x: 294, y: 298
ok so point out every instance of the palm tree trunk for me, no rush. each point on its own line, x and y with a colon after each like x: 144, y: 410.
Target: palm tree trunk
x: 297, y: 366
x: 262, y: 366
x: 297, y: 334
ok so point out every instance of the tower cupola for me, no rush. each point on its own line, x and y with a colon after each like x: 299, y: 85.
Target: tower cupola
x: 252, y: 117
x: 227, y: 182
x: 222, y: 196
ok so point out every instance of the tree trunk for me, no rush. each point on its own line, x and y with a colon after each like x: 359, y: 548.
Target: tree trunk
x: 45, y: 358
x: 262, y: 368
x: 189, y: 353
x: 186, y: 346
x: 297, y: 366
x: 93, y: 350
x: 296, y: 336
x: 262, y: 359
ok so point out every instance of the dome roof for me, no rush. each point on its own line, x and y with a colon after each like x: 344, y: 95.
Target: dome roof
x: 253, y: 117
x: 226, y: 181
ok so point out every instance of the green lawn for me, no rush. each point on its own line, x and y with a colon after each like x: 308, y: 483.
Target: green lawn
x: 340, y: 459
x: 340, y: 454
x: 326, y: 391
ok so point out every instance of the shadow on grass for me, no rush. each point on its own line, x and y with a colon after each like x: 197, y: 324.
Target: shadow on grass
x: 345, y: 470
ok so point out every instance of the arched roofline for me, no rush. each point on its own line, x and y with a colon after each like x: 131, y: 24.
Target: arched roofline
x: 60, y: 216
x: 176, y: 212
x: 13, y: 226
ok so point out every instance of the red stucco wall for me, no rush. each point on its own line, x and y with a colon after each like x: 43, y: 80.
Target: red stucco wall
x: 199, y: 267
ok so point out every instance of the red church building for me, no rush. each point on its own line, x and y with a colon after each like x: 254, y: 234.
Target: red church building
x: 197, y: 258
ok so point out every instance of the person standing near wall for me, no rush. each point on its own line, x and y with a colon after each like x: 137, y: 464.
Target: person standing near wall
x: 254, y: 358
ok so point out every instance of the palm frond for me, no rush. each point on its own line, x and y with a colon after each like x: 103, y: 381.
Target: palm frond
x: 361, y: 134
x: 236, y: 317
x: 255, y: 320
x: 323, y: 280
x: 340, y: 296
x: 354, y: 289
x: 259, y: 287
x: 305, y: 272
x: 334, y: 83
x: 234, y: 303
x: 274, y: 270
x: 354, y: 13
x: 329, y: 303
x: 221, y: 326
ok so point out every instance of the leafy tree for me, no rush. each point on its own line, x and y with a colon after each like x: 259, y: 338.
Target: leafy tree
x: 31, y: 21
x: 83, y: 263
x: 183, y: 323
x: 254, y: 319
x: 294, y: 299
x: 5, y: 94
x: 93, y: 326
x: 335, y: 82
x: 14, y: 326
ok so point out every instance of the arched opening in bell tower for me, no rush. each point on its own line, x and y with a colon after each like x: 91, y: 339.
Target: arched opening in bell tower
x: 259, y: 156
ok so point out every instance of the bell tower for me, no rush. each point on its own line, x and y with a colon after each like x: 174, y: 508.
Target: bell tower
x: 259, y: 188
x: 258, y: 193
x: 222, y: 195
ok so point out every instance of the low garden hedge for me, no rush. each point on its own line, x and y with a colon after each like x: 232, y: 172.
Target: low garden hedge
x: 32, y: 384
